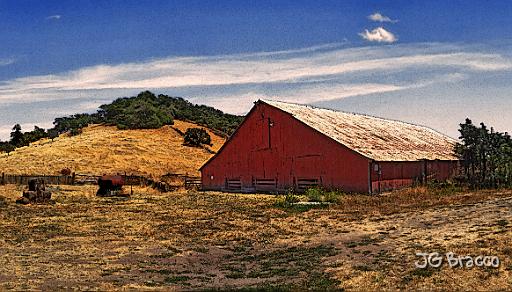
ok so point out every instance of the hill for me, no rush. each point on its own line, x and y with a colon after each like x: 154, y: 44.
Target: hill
x: 105, y: 149
x: 144, y: 111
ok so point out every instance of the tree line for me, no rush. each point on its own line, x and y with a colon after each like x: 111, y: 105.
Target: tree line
x: 486, y: 156
x: 148, y: 111
x: 144, y: 111
x: 20, y: 139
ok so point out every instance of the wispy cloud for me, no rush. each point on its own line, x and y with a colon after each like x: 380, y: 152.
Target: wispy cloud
x: 380, y: 18
x: 233, y: 82
x: 7, y: 61
x: 249, y: 69
x: 379, y: 35
x: 54, y: 17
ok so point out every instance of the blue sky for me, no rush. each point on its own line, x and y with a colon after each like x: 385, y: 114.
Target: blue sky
x: 426, y: 62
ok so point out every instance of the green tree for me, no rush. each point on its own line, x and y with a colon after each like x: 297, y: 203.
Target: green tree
x: 34, y: 135
x: 52, y: 134
x: 146, y: 110
x: 140, y: 112
x: 6, y: 147
x: 196, y: 137
x: 17, y: 137
x: 486, y: 155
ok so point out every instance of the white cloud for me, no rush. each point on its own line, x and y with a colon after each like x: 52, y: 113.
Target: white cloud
x: 4, y: 132
x: 7, y: 61
x: 380, y: 18
x: 379, y: 35
x: 54, y: 17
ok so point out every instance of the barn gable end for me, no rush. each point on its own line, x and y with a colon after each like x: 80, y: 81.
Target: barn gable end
x: 272, y: 151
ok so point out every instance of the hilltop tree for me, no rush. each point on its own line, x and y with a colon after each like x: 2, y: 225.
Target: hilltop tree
x: 141, y: 112
x: 35, y: 135
x: 197, y: 137
x: 17, y: 137
x: 75, y: 122
x: 148, y: 111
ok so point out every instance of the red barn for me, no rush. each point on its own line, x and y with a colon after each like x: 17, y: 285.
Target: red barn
x: 281, y: 146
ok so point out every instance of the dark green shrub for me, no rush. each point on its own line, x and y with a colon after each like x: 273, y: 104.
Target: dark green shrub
x: 197, y: 137
x: 6, y: 147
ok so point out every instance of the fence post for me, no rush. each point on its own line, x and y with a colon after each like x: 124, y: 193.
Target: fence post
x: 3, y: 178
x: 73, y: 179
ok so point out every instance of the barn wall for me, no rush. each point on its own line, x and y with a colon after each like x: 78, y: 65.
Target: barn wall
x: 288, y: 154
x: 441, y: 170
x: 398, y: 174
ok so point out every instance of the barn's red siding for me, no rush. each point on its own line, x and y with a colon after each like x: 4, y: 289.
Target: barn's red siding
x: 389, y: 175
x: 296, y: 153
x: 287, y: 154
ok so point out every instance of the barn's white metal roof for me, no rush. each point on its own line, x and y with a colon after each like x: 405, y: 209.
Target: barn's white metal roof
x: 376, y: 138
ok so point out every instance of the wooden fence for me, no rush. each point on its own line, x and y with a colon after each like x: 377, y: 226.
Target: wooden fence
x: 48, y: 179
x: 193, y: 182
x: 163, y: 185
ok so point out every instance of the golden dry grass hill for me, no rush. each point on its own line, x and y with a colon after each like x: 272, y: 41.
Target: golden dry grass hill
x: 105, y: 149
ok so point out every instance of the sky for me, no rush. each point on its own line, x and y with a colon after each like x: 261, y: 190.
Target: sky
x: 432, y: 63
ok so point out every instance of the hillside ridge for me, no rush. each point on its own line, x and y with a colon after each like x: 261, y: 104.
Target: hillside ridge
x: 103, y: 149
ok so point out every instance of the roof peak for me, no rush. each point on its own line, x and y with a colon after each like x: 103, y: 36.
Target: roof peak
x: 270, y: 101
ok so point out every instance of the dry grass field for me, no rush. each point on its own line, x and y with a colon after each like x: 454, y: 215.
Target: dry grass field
x: 102, y: 149
x: 188, y: 240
